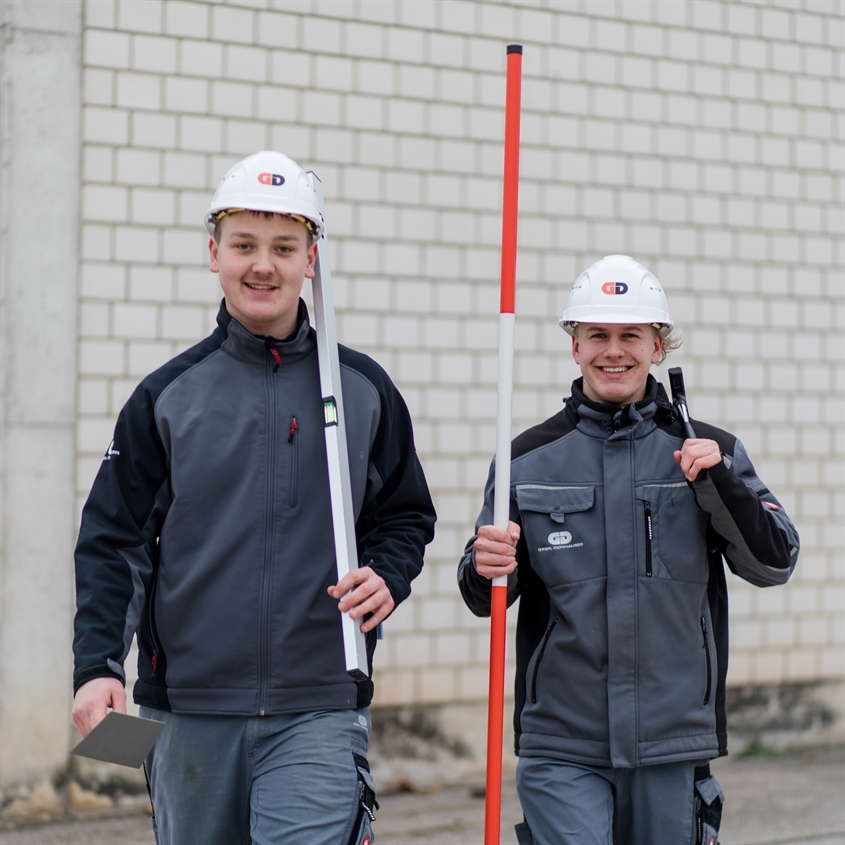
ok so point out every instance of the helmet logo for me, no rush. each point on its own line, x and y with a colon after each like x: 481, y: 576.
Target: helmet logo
x: 271, y: 179
x: 614, y: 288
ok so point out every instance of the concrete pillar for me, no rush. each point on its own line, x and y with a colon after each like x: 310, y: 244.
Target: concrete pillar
x: 40, y: 85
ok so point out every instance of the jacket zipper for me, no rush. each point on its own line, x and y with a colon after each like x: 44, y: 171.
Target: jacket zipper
x: 539, y: 659
x: 294, y: 469
x: 264, y: 610
x: 649, y: 535
x: 707, y: 656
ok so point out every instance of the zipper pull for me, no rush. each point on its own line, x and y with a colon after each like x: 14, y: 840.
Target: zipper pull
x: 270, y: 346
x: 294, y: 425
x: 649, y: 536
x: 154, y: 661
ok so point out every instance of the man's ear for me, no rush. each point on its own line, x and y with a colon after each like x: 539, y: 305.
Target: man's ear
x: 312, y: 258
x: 657, y: 354
x: 576, y: 349
x: 213, y: 250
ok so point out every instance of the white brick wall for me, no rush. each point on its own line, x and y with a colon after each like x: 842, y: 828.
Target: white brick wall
x: 705, y: 138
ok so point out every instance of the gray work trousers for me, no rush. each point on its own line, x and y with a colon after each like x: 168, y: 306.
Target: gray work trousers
x: 290, y: 779
x: 572, y: 804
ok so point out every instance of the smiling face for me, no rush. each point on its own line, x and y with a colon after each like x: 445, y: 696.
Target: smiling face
x: 615, y: 360
x: 262, y: 263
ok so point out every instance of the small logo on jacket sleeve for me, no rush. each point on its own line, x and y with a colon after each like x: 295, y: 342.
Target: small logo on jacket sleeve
x: 111, y: 452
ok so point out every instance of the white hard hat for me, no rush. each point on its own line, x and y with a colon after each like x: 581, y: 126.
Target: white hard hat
x: 617, y: 290
x: 267, y: 181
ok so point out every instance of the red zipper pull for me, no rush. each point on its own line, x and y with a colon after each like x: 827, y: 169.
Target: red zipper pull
x: 276, y: 357
x: 294, y: 425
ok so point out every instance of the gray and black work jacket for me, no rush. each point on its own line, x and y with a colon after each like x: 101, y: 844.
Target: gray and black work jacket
x: 622, y: 632
x: 208, y: 529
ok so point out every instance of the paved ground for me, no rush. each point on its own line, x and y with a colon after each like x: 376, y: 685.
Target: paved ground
x: 795, y: 799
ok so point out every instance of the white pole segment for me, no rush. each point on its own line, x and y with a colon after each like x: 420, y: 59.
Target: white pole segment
x: 340, y: 485
x: 501, y: 496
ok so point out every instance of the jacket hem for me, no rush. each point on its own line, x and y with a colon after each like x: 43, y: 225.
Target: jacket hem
x: 244, y: 702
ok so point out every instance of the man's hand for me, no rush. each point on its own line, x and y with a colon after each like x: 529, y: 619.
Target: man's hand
x: 92, y: 701
x: 369, y: 595
x: 495, y: 550
x: 696, y: 455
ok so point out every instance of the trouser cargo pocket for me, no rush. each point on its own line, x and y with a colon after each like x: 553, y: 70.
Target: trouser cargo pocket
x: 708, y: 803
x: 362, y: 830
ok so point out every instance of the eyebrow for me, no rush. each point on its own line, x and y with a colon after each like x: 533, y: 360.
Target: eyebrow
x: 598, y: 328
x: 276, y: 239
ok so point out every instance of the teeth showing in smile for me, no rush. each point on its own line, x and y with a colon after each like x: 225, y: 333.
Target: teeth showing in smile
x: 259, y: 287
x: 614, y: 369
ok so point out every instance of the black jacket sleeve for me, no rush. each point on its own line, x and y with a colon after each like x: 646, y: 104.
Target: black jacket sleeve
x: 760, y: 542
x: 115, y: 552
x: 397, y: 520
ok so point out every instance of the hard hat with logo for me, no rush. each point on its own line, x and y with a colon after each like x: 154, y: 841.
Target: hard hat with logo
x: 617, y: 290
x: 267, y: 181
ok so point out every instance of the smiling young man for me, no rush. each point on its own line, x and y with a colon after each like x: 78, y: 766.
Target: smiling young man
x: 208, y: 533
x: 618, y: 530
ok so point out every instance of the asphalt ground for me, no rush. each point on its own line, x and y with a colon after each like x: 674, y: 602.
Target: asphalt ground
x: 790, y: 799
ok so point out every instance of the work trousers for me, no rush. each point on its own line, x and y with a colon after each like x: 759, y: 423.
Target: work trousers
x: 572, y: 804
x: 295, y: 778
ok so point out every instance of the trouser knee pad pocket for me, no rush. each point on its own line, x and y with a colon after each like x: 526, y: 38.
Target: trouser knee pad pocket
x: 362, y: 830
x: 708, y: 804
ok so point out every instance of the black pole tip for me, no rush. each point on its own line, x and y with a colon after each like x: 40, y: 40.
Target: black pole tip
x: 514, y: 48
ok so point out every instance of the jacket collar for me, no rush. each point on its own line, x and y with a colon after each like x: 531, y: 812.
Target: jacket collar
x: 258, y: 349
x: 609, y: 420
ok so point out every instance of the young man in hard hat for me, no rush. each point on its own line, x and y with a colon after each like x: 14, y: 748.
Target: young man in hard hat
x: 208, y: 532
x: 615, y: 545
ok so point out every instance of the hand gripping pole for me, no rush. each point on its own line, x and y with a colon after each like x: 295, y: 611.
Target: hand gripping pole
x: 679, y: 399
x: 340, y: 486
x: 501, y: 498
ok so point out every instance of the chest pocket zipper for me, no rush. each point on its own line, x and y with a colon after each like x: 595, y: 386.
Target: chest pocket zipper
x: 539, y: 659
x: 294, y: 469
x: 707, y: 656
x: 649, y: 536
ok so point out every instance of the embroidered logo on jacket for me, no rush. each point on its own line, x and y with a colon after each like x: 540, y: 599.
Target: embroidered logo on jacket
x: 559, y: 540
x: 111, y: 452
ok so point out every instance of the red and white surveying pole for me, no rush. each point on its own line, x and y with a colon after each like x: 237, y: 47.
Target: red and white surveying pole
x: 501, y: 498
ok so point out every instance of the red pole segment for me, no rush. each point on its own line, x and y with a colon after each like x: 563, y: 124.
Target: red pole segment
x: 501, y: 503
x: 510, y: 198
x: 495, y: 716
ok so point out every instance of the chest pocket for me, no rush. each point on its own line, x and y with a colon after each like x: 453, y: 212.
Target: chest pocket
x: 673, y: 530
x: 564, y: 530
